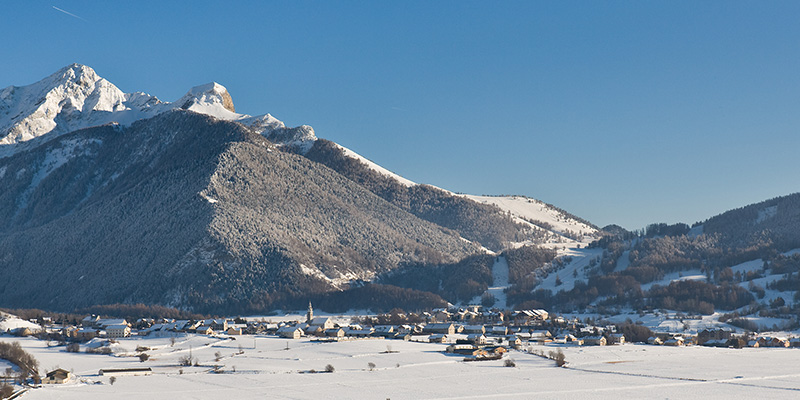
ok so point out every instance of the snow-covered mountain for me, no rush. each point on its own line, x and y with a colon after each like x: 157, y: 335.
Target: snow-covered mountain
x: 76, y: 97
x: 98, y: 182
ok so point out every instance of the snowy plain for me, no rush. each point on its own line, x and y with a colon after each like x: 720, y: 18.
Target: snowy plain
x: 264, y: 367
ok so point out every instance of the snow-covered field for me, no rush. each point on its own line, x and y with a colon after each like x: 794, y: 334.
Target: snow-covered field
x: 267, y: 369
x: 11, y: 322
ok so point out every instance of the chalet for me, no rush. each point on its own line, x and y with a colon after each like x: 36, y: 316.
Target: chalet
x: 144, y: 323
x: 523, y: 335
x: 151, y: 329
x: 408, y: 328
x: 595, y: 340
x: 70, y: 332
x: 437, y: 338
x: 269, y: 327
x: 86, y: 333
x: 664, y: 336
x: 358, y: 331
x: 477, y: 339
x: 737, y: 342
x: 776, y: 342
x: 472, y: 329
x: 21, y: 332
x: 616, y: 338
x: 385, y: 330
x: 205, y: 330
x: 253, y: 328
x: 218, y: 325
x: 591, y: 330
x: 498, y: 330
x: 569, y: 339
x: 541, y: 333
x: 526, y: 317
x: 290, y: 332
x: 675, y: 341
x: 90, y: 320
x: 794, y: 342
x: 57, y: 376
x: 334, y: 332
x: 514, y: 341
x: 440, y: 315
x: 753, y: 343
x: 178, y: 326
x: 494, y: 317
x: 466, y: 315
x: 118, y: 331
x: 235, y: 331
x: 313, y: 330
x: 496, y: 349
x: 713, y: 334
x: 443, y: 328
x: 655, y: 340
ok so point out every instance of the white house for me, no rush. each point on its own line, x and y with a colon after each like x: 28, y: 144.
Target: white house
x: 118, y: 331
x: 291, y: 332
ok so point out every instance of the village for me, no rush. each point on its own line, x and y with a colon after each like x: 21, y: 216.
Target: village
x: 471, y: 332
x: 114, y: 351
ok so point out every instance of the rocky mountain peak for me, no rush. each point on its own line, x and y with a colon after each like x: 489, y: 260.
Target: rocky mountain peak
x: 210, y: 93
x: 76, y: 97
x: 77, y: 73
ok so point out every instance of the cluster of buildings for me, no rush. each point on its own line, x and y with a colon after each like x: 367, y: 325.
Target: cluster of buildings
x: 722, y: 338
x: 460, y: 327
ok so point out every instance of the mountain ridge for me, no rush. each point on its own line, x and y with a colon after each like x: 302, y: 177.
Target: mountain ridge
x: 276, y: 222
x: 192, y: 205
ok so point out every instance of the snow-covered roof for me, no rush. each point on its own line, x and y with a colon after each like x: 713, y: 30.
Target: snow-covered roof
x: 117, y: 327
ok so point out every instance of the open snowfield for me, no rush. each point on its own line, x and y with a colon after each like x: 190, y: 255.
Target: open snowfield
x: 266, y: 369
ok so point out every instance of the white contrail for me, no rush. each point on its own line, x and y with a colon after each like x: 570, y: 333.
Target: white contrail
x: 70, y: 14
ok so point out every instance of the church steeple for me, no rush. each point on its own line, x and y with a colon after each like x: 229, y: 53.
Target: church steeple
x: 310, y: 313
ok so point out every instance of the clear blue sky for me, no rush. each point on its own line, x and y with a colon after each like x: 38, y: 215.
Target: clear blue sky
x: 620, y: 112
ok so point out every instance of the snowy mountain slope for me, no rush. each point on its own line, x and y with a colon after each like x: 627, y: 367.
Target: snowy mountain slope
x: 76, y: 97
x: 375, y: 167
x: 569, y: 232
x: 344, y: 219
x: 187, y: 210
x: 576, y: 270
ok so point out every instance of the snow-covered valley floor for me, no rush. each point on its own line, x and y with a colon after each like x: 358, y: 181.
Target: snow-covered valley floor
x: 266, y: 369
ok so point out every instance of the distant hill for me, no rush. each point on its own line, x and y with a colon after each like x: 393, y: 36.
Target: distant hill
x: 744, y: 262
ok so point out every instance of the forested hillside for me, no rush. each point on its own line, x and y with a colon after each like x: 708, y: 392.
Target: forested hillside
x: 189, y: 211
x: 477, y: 222
x: 741, y: 261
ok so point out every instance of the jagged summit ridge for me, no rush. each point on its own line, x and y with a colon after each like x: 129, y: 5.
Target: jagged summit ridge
x: 76, y: 97
x: 64, y: 101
